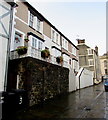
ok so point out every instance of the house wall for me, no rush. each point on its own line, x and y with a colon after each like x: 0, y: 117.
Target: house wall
x: 22, y: 12
x: 46, y: 29
x: 84, y: 61
x: 103, y: 66
x: 84, y: 78
x: 4, y: 38
x: 72, y: 80
x: 40, y: 79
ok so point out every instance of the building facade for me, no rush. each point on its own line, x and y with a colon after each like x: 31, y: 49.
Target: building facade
x: 41, y: 34
x: 89, y: 59
x: 33, y: 31
x: 104, y: 64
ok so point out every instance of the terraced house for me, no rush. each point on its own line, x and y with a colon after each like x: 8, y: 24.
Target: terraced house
x: 43, y: 61
x: 34, y: 31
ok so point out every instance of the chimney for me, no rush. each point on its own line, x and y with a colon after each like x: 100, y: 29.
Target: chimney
x: 81, y: 41
x: 96, y: 50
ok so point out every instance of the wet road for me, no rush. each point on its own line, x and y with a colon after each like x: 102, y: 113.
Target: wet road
x: 91, y: 102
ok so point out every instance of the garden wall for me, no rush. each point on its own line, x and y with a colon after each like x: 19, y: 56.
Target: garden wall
x: 41, y: 80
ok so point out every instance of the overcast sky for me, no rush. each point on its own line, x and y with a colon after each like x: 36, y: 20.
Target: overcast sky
x: 84, y: 20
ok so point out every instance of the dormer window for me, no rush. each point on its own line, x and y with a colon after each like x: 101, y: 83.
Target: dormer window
x: 31, y: 20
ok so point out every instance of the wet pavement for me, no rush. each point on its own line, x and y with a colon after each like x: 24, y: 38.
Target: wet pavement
x: 91, y: 102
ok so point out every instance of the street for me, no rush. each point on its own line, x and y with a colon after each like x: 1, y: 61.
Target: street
x: 91, y: 102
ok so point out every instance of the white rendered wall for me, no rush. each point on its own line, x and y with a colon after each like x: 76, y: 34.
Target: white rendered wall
x: 85, y: 77
x: 3, y: 42
x: 72, y: 80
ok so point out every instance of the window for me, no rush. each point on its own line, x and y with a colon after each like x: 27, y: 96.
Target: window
x: 105, y: 63
x: 91, y: 62
x: 56, y: 38
x: 74, y: 51
x: 18, y: 37
x: 38, y: 24
x: 53, y: 35
x: 31, y: 20
x: 34, y: 42
x: 90, y: 51
x: 62, y: 42
x: 39, y: 45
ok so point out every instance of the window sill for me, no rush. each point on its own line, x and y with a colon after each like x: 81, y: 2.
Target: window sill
x: 35, y: 29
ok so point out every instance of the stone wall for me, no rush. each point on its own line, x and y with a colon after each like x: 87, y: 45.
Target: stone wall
x: 40, y: 79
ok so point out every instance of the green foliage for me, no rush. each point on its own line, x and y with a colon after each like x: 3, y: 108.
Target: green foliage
x: 21, y: 50
x: 59, y: 59
x: 45, y: 53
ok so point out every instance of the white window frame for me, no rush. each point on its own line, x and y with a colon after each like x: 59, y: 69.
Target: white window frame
x: 90, y: 51
x: 22, y: 40
x: 38, y: 25
x: 53, y: 36
x: 40, y: 44
x: 36, y: 43
x: 74, y: 50
x: 31, y: 20
x: 91, y: 62
x: 64, y: 43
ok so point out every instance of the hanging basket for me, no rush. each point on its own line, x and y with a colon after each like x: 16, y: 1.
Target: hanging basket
x: 45, y: 53
x: 59, y: 59
x: 21, y: 50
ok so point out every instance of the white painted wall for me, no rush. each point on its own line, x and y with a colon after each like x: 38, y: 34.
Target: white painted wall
x: 85, y: 77
x: 72, y: 80
x: 3, y: 43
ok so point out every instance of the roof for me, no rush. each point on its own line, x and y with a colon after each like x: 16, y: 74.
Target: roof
x: 43, y: 18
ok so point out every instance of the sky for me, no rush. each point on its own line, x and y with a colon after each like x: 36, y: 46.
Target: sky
x: 83, y: 20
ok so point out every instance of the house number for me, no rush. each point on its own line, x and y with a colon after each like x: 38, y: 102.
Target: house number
x: 20, y: 101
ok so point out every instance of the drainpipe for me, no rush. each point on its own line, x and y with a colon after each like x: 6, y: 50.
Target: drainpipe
x: 8, y: 45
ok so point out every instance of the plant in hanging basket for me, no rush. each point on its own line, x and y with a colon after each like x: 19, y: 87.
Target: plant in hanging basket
x: 59, y: 59
x: 45, y: 53
x: 21, y: 50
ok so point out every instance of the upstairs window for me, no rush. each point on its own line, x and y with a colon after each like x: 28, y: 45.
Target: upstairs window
x: 31, y: 20
x: 105, y: 63
x: 56, y: 38
x: 39, y: 45
x: 53, y: 35
x: 91, y: 62
x: 38, y: 25
x: 34, y: 42
x: 18, y: 37
x: 64, y: 43
x: 90, y: 51
x: 74, y: 51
